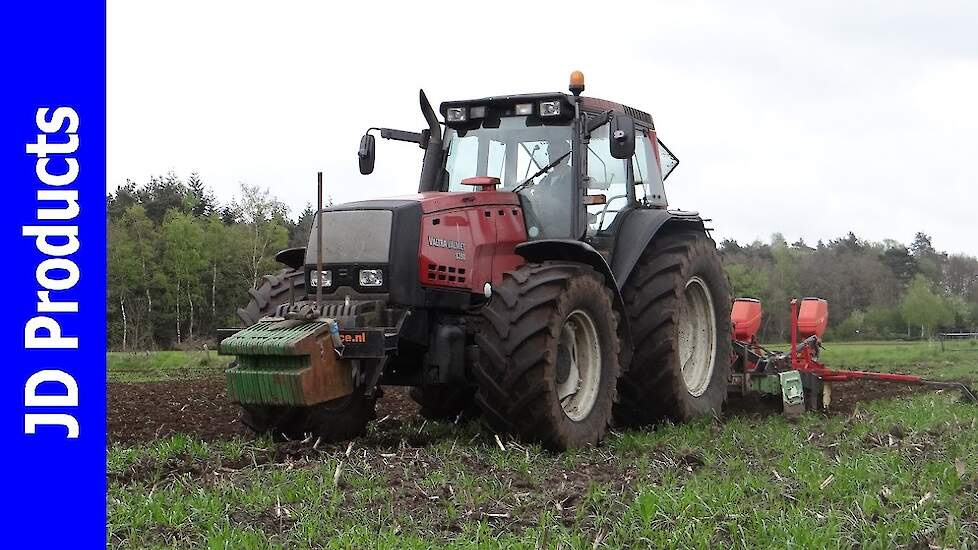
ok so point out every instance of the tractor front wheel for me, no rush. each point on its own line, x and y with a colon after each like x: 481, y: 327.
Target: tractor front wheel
x: 342, y: 418
x: 549, y: 355
x: 274, y: 420
x: 336, y: 420
x: 446, y: 402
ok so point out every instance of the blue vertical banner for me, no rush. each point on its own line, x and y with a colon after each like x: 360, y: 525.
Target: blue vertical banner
x: 52, y: 165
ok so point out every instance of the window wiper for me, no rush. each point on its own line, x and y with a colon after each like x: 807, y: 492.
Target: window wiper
x: 592, y: 125
x: 532, y: 154
x: 543, y: 170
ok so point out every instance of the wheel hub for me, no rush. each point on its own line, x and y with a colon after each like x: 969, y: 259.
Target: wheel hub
x: 578, y: 365
x: 697, y: 336
x: 563, y: 363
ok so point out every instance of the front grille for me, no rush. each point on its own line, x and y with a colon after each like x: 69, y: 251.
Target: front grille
x: 381, y: 234
x: 348, y: 276
x: 442, y: 274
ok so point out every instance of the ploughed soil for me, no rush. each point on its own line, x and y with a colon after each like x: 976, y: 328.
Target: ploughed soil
x: 143, y: 411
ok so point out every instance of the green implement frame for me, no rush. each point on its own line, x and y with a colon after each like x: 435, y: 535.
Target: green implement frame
x: 787, y: 385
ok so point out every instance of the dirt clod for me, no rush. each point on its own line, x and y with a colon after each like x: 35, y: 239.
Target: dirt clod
x: 898, y: 431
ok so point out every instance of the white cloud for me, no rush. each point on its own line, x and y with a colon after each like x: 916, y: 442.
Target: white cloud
x: 814, y: 122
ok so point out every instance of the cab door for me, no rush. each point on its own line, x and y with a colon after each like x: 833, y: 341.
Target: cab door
x: 646, y: 170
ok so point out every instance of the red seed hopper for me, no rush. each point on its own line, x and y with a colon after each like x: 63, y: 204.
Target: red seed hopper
x: 802, y: 381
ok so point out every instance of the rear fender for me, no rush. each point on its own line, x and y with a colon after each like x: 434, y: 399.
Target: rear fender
x: 570, y: 250
x: 639, y: 227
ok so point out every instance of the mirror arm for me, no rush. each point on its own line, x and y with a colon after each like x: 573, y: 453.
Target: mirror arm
x: 597, y: 122
x: 401, y: 135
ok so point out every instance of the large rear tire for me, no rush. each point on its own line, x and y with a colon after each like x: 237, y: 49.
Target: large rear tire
x: 335, y: 420
x: 678, y: 302
x: 549, y: 355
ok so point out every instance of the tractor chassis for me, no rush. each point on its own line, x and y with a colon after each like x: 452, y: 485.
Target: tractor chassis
x: 293, y: 342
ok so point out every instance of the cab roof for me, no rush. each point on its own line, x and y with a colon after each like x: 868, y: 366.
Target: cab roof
x: 588, y: 104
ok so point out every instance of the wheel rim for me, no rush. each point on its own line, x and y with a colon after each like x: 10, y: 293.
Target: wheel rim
x: 697, y: 337
x: 578, y: 365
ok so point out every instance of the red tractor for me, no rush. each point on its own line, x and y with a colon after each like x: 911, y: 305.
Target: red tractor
x: 537, y: 278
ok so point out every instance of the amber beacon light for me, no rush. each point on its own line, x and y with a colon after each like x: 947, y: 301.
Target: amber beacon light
x: 576, y: 82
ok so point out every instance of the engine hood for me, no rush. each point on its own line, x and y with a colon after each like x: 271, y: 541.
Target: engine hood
x: 421, y: 242
x: 434, y: 201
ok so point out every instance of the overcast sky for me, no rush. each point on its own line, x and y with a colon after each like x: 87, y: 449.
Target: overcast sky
x: 814, y: 121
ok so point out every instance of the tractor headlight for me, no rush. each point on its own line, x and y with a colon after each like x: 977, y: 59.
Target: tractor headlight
x: 371, y: 277
x: 549, y: 108
x: 524, y: 109
x: 455, y: 114
x: 326, y: 276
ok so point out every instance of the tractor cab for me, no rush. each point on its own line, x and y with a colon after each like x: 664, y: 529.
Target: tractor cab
x: 578, y: 164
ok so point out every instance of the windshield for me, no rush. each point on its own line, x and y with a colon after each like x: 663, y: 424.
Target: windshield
x: 512, y: 152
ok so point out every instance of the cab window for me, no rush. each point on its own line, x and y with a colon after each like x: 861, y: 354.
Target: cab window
x: 514, y: 151
x: 606, y: 176
x: 648, y: 180
x: 465, y: 160
x: 531, y: 156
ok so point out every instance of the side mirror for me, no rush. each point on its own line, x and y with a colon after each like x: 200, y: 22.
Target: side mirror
x: 366, y: 154
x: 622, y: 133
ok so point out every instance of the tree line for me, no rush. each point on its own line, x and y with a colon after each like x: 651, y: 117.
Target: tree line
x: 181, y: 263
x: 875, y: 290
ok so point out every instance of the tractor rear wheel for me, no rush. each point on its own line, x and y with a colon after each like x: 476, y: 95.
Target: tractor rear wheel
x: 678, y: 302
x: 549, y: 355
x: 334, y: 420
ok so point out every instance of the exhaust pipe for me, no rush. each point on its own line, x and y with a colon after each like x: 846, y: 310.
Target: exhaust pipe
x: 432, y: 154
x: 319, y: 244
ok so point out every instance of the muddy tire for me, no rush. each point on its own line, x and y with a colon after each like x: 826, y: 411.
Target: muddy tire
x: 446, y: 402
x: 678, y: 302
x: 272, y: 291
x: 276, y: 421
x: 549, y: 355
x: 340, y: 419
x: 336, y: 420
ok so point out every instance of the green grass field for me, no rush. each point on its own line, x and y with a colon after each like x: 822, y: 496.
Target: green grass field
x: 164, y: 365
x: 923, y: 358
x: 893, y: 473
